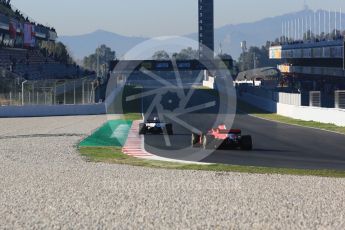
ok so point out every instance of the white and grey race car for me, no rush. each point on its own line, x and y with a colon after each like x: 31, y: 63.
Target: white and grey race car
x: 155, y: 127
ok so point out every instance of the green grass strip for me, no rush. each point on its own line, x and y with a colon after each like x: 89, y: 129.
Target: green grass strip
x: 115, y: 156
x: 132, y: 116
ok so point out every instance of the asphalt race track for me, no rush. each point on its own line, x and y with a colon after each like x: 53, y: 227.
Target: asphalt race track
x: 275, y: 144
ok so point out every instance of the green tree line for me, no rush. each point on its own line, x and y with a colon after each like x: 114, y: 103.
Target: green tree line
x: 58, y: 51
x: 103, y: 55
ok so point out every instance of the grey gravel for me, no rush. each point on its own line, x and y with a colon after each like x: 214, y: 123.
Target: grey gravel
x: 45, y: 184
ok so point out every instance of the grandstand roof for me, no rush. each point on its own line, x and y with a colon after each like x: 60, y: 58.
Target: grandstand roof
x: 266, y: 73
x: 311, y: 44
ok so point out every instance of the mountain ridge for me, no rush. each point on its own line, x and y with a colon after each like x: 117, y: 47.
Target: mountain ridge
x: 229, y: 36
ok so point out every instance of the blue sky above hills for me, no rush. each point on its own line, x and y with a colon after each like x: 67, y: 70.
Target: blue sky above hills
x: 155, y: 17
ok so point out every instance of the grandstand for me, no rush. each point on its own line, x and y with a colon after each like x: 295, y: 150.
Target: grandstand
x: 313, y: 68
x: 33, y: 65
x: 22, y: 48
x: 30, y: 55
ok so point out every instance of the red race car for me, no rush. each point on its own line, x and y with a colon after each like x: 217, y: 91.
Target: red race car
x: 221, y: 137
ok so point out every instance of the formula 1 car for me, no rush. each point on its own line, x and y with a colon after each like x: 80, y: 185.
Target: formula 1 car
x: 155, y: 127
x: 221, y: 137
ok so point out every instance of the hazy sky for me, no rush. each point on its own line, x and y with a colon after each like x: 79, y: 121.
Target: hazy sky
x: 154, y: 17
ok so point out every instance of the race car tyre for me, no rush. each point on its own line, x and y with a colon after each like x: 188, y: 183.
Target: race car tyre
x: 169, y: 129
x: 142, y: 129
x: 246, y: 143
x: 207, y: 142
x: 195, y: 139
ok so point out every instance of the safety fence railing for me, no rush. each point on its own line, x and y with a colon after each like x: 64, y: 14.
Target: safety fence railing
x: 288, y: 98
x: 53, y: 92
x: 18, y: 92
x: 340, y: 99
x: 315, y: 98
x: 7, y: 99
x: 10, y: 88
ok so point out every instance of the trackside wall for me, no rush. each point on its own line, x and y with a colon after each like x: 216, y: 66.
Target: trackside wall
x: 53, y: 110
x: 306, y: 113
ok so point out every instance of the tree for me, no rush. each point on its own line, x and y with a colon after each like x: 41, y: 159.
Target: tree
x: 186, y: 54
x: 103, y: 54
x: 61, y: 53
x: 58, y: 51
x: 160, y: 55
x: 225, y: 56
x: 256, y: 57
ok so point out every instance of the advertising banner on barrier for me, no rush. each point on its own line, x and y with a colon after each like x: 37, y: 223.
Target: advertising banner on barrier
x: 29, y: 35
x: 13, y: 28
x: 4, y: 22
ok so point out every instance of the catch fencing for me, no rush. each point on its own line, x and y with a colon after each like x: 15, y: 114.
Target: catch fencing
x: 19, y: 92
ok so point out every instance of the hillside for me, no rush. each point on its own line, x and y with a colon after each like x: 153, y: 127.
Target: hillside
x: 230, y: 36
x: 85, y: 44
